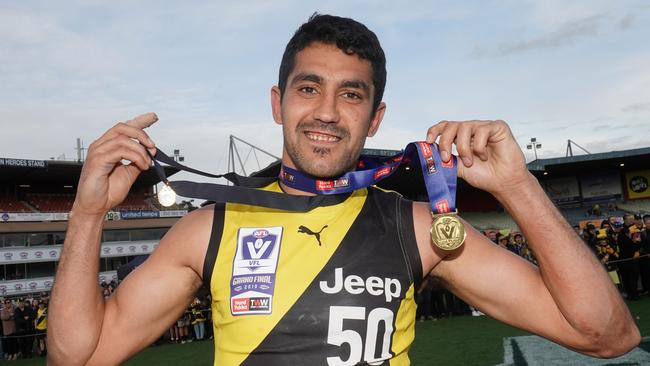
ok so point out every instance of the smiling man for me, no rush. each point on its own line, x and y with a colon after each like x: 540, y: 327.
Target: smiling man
x: 283, y: 295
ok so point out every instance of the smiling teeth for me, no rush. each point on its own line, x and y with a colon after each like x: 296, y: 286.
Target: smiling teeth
x: 319, y: 137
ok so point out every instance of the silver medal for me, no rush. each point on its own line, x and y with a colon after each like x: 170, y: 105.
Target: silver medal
x: 166, y: 196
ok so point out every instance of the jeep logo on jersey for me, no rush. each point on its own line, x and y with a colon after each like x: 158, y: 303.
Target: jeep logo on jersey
x: 390, y: 288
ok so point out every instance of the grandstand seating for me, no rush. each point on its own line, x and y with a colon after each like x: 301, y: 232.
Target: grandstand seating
x: 134, y: 202
x: 51, y: 202
x: 62, y: 202
x: 489, y: 220
x: 12, y: 205
x: 636, y: 206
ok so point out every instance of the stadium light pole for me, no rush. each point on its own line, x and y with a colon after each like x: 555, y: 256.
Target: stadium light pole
x: 534, y: 145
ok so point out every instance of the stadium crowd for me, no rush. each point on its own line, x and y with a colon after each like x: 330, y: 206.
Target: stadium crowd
x: 622, y: 247
x: 24, y: 327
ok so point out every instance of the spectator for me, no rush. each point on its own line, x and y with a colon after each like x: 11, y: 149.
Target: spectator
x: 10, y: 344
x: 629, y: 240
x: 183, y: 325
x: 628, y: 220
x: 198, y: 320
x: 607, y: 253
x: 25, y: 317
x: 519, y: 245
x: 589, y: 236
x: 41, y: 328
x: 644, y: 262
x: 638, y: 221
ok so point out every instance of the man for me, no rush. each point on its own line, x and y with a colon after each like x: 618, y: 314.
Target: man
x: 629, y: 244
x: 644, y: 261
x: 41, y: 327
x: 347, y: 298
x: 25, y: 327
x: 10, y: 343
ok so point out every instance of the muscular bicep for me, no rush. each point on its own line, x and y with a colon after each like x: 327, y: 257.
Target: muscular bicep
x: 155, y: 294
x: 506, y: 287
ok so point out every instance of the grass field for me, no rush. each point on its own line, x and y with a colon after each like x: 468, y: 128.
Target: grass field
x: 461, y: 340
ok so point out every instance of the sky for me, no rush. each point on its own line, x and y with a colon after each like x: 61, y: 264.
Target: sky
x: 553, y: 69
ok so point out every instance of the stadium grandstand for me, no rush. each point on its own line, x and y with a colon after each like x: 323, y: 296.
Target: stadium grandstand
x: 36, y: 195
x: 35, y: 198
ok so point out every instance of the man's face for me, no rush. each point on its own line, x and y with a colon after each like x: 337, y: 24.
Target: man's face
x: 638, y: 223
x: 646, y: 221
x: 519, y: 239
x: 326, y: 111
x: 628, y: 220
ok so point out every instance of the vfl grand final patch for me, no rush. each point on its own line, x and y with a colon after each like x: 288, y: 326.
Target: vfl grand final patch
x: 253, y: 270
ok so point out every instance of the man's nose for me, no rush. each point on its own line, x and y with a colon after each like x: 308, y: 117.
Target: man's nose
x: 327, y: 110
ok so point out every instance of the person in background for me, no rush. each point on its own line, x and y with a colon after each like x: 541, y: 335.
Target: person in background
x: 629, y: 240
x: 41, y: 328
x: 10, y: 345
x: 198, y: 319
x: 25, y: 316
x: 607, y: 252
x: 589, y: 236
x: 644, y: 261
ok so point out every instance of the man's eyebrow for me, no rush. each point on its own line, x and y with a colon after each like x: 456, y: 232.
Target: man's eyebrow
x: 356, y: 84
x: 306, y: 77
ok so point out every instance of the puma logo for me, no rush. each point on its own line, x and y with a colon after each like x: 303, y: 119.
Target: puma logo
x: 306, y: 230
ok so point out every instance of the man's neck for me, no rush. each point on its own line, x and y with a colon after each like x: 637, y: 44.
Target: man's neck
x: 293, y: 191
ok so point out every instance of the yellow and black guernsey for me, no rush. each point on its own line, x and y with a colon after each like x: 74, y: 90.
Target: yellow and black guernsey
x: 332, y: 286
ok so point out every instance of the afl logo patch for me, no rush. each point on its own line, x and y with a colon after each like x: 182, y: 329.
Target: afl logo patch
x: 252, y: 283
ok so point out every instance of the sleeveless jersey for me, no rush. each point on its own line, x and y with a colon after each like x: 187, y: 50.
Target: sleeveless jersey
x: 41, y: 319
x: 332, y: 286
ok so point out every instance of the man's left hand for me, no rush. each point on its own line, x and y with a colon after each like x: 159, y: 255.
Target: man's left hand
x: 491, y: 158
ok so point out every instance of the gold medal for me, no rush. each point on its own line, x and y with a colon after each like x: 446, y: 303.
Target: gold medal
x: 447, y: 231
x: 166, y: 196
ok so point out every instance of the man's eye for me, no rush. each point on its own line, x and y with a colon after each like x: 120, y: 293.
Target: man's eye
x: 308, y: 90
x: 351, y: 95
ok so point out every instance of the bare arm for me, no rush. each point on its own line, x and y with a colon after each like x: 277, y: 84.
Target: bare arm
x: 82, y: 327
x: 569, y: 298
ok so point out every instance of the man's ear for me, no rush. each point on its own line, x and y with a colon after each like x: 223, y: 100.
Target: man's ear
x: 376, y: 119
x: 276, y: 104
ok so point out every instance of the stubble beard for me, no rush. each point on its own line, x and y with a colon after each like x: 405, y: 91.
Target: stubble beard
x: 322, y: 166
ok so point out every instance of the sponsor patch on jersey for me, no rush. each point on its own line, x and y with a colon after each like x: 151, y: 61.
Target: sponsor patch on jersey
x: 253, y: 270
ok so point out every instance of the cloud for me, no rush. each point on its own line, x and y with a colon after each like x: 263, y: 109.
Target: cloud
x: 637, y: 108
x: 627, y: 21
x: 565, y: 34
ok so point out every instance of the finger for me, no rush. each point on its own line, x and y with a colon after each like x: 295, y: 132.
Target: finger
x: 144, y: 120
x: 463, y: 143
x: 434, y: 131
x: 125, y: 129
x: 480, y: 140
x: 125, y: 145
x: 447, y: 137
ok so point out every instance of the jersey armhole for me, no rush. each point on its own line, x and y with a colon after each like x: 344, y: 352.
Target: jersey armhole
x: 213, y: 244
x: 407, y: 237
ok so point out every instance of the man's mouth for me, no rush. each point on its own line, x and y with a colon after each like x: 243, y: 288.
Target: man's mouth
x: 321, y: 137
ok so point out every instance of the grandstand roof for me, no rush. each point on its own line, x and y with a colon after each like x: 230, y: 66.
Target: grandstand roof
x: 57, y: 172
x: 632, y: 159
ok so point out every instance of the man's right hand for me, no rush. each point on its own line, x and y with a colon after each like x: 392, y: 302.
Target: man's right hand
x: 105, y: 180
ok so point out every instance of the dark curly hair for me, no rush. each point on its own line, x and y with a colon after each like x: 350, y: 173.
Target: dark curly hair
x: 349, y: 36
